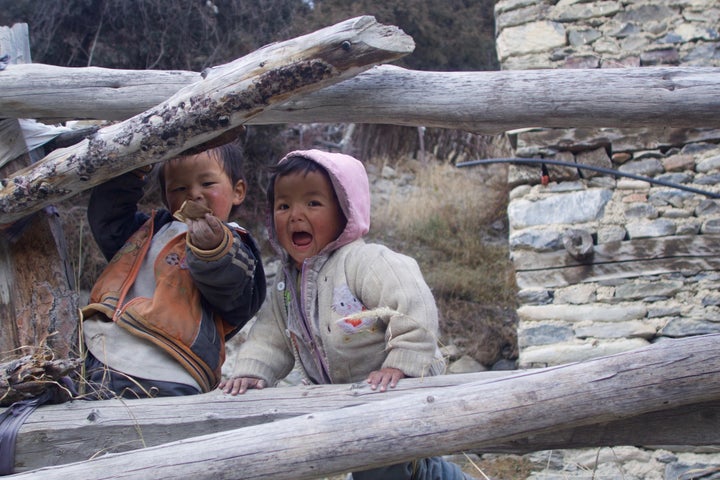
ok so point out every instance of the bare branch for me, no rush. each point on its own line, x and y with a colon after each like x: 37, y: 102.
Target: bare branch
x: 225, y: 99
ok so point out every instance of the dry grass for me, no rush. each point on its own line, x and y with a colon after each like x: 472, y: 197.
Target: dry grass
x: 85, y: 256
x: 448, y: 222
x: 452, y: 221
x: 501, y: 467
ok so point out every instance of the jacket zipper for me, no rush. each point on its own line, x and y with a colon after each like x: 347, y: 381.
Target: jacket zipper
x: 299, y: 305
x: 135, y: 268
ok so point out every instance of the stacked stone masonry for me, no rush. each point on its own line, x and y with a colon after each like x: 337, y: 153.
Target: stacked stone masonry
x: 562, y: 321
x: 609, y: 33
x: 596, y: 311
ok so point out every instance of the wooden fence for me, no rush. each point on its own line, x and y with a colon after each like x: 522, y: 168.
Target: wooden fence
x: 667, y: 392
x: 664, y: 394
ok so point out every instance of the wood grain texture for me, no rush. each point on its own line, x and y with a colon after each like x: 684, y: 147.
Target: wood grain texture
x: 674, y: 386
x: 488, y: 102
x: 38, y: 307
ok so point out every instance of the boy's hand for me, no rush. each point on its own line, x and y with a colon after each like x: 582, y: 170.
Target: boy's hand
x: 240, y: 385
x: 205, y: 233
x: 385, y: 377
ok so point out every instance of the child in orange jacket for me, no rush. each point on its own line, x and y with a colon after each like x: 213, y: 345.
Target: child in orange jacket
x: 174, y: 291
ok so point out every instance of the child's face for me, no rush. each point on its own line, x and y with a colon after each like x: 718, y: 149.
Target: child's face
x: 202, y: 178
x: 306, y: 214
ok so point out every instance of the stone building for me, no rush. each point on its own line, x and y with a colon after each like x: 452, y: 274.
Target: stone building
x: 609, y: 263
x: 647, y: 269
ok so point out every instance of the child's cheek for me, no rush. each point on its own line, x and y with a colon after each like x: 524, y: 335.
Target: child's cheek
x: 219, y: 203
x: 174, y: 202
x: 284, y: 240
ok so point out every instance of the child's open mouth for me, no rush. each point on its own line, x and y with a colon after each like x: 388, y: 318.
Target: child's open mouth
x: 301, y: 239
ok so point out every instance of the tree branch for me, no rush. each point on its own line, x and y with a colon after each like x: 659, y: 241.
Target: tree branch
x: 226, y: 98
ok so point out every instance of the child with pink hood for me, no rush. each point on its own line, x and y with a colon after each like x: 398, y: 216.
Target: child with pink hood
x: 343, y: 310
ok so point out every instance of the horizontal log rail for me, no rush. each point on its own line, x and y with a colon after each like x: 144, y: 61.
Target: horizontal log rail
x: 488, y: 102
x: 674, y: 385
x: 495, y: 102
x: 59, y: 434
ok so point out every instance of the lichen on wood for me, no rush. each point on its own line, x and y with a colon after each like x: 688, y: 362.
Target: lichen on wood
x: 227, y: 97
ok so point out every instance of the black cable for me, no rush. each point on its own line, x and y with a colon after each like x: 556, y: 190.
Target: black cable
x: 607, y: 171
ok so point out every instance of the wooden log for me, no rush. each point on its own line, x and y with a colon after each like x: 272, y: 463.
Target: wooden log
x: 225, y: 99
x: 12, y: 143
x: 40, y: 309
x: 483, y: 102
x: 615, y: 260
x: 675, y: 427
x: 470, y: 417
x: 494, y: 102
x: 38, y: 304
x: 15, y: 43
x: 59, y: 434
x: 54, y: 94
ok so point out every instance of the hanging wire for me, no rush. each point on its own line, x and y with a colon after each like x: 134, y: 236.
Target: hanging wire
x: 606, y: 171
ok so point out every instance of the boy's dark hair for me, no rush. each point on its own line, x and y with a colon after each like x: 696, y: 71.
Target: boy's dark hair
x: 230, y: 156
x: 295, y: 164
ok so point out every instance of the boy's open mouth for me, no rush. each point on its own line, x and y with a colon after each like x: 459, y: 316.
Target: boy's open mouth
x: 301, y: 239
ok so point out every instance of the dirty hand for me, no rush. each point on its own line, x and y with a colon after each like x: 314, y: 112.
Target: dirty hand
x: 385, y: 377
x: 205, y: 233
x: 239, y: 385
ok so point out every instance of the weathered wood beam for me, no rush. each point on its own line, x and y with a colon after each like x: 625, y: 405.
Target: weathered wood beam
x: 682, y: 426
x: 488, y: 102
x: 469, y: 417
x: 15, y: 43
x: 51, y: 93
x: 225, y: 99
x: 495, y: 102
x: 38, y: 302
x: 59, y: 434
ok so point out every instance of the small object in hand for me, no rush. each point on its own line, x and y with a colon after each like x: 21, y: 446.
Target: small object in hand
x: 191, y: 210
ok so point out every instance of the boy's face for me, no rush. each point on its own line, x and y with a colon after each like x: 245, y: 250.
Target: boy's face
x: 306, y: 213
x: 202, y: 178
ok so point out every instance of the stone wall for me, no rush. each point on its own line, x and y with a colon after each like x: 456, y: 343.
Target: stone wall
x: 610, y: 33
x: 661, y: 279
x: 567, y: 318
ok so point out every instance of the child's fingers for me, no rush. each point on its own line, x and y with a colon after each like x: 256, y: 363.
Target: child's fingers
x: 205, y: 233
x: 384, y: 378
x: 240, y: 385
x: 214, y: 223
